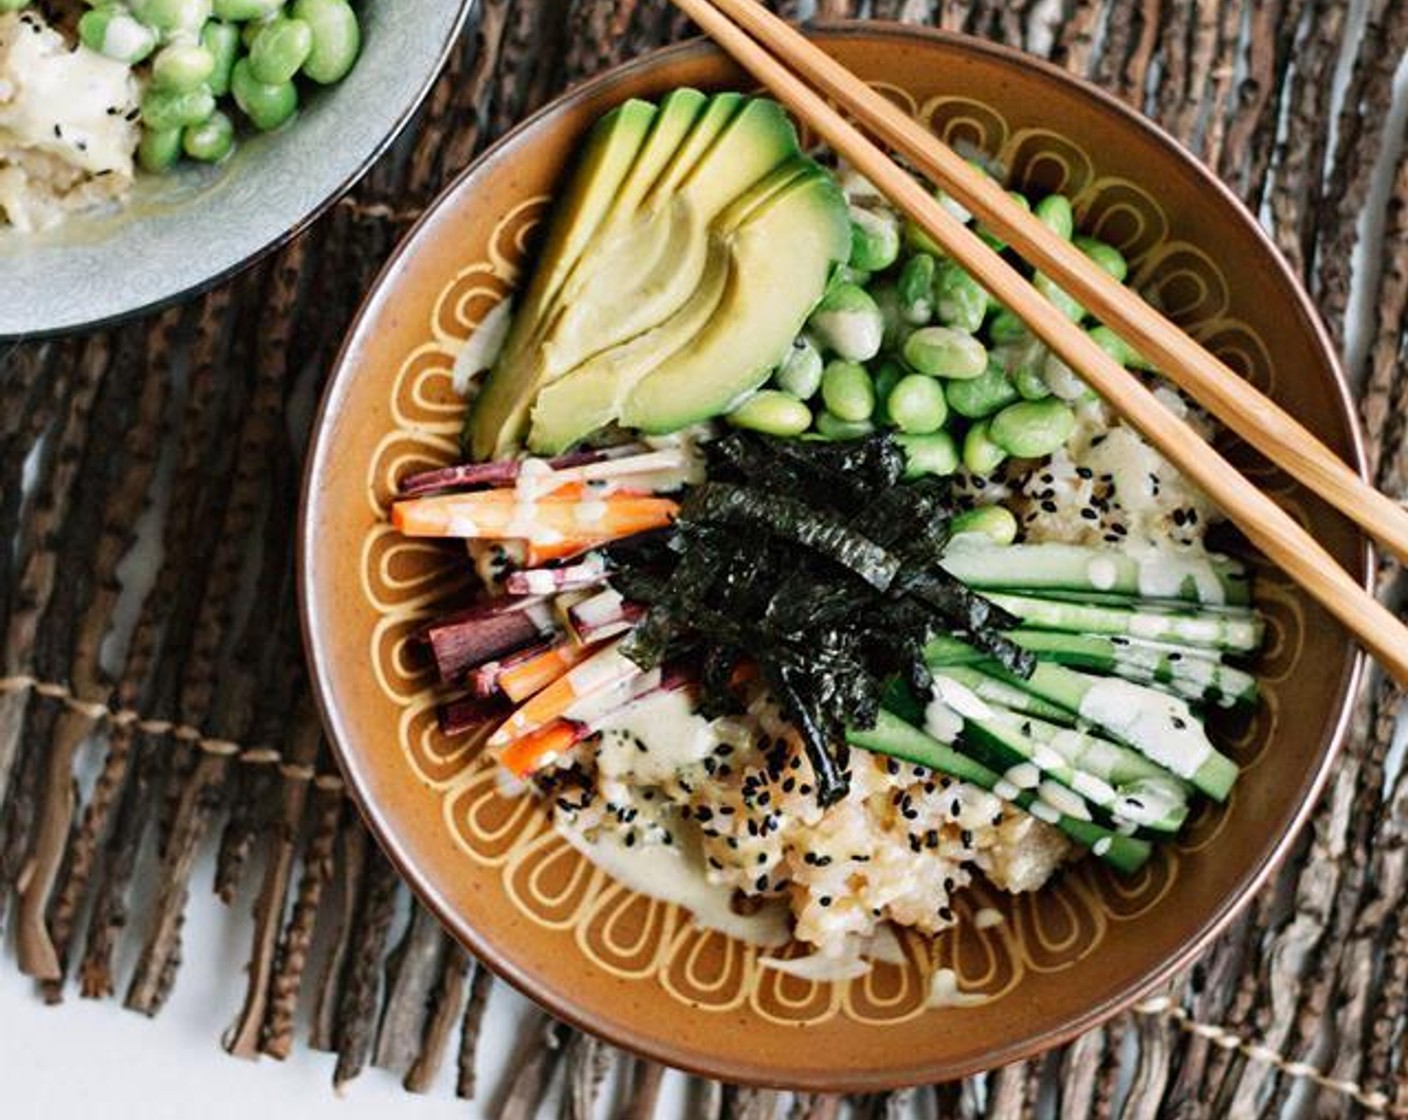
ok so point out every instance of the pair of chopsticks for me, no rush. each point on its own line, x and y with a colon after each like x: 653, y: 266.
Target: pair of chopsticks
x: 790, y: 66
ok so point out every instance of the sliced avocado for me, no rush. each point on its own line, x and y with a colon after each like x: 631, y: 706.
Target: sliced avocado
x: 638, y: 267
x: 710, y: 125
x: 607, y: 158
x: 674, y: 121
x: 592, y: 395
x: 780, y: 263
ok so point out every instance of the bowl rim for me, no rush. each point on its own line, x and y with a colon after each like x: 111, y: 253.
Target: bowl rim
x: 293, y: 230
x: 683, y: 1056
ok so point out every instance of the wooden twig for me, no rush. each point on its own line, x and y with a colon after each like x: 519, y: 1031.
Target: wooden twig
x: 446, y: 1008
x: 479, y: 989
x: 351, y: 878
x: 646, y: 1079
x: 361, y: 984
x: 286, y: 985
x: 532, y: 1068
x: 411, y: 973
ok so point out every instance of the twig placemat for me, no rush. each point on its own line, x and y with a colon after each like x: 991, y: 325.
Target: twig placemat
x: 148, y: 479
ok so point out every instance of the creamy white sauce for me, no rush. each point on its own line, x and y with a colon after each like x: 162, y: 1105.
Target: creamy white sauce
x: 942, y: 722
x: 1024, y: 776
x: 1163, y: 727
x: 673, y: 734
x: 1101, y: 846
x: 945, y: 992
x: 818, y: 968
x: 1163, y: 575
x: 1147, y: 801
x: 961, y: 699
x: 1103, y: 573
x: 482, y: 349
x: 987, y: 918
x: 1065, y: 801
x: 1044, y: 811
x: 676, y: 874
x: 853, y: 332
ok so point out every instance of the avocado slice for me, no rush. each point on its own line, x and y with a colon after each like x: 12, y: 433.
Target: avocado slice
x: 607, y: 158
x: 592, y: 395
x: 780, y: 263
x: 641, y: 263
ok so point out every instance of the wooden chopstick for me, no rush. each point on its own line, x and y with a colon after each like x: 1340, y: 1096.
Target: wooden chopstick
x: 1265, y: 524
x: 1182, y: 359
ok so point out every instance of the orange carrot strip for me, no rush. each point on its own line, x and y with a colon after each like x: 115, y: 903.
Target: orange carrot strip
x: 536, y: 555
x: 606, y: 667
x: 531, y: 752
x: 519, y: 682
x: 495, y: 514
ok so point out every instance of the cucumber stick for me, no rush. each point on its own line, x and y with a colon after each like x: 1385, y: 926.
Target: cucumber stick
x: 1145, y: 797
x: 1236, y: 631
x: 1214, y: 580
x: 894, y: 737
x: 1194, y: 674
x: 1161, y: 727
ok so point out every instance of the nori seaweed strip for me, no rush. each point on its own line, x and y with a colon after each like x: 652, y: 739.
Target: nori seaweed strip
x: 744, y: 508
x: 831, y: 785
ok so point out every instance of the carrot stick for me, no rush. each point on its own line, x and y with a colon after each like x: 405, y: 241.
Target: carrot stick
x: 607, y: 667
x: 519, y: 682
x: 531, y: 752
x: 497, y: 514
x: 536, y: 555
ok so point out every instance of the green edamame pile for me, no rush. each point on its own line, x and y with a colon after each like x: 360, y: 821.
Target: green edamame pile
x: 906, y: 338
x: 206, y: 64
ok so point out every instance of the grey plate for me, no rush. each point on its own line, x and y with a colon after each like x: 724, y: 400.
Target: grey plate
x: 185, y: 231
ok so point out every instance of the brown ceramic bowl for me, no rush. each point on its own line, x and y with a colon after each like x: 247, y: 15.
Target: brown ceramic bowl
x: 636, y: 971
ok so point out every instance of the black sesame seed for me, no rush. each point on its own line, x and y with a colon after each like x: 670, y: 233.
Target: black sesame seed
x: 825, y: 900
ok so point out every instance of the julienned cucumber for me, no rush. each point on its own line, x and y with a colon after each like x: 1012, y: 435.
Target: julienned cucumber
x: 1157, y: 803
x: 1194, y: 674
x: 894, y: 737
x: 1236, y: 631
x: 1161, y: 727
x: 999, y: 690
x: 1214, y: 580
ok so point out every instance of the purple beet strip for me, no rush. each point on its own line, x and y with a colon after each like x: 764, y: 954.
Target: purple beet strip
x: 500, y: 472
x: 488, y: 630
x: 547, y: 581
x: 459, y: 717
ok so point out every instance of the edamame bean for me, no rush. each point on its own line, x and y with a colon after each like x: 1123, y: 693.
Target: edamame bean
x: 932, y: 454
x: 848, y: 391
x: 1033, y: 429
x: 919, y: 241
x: 336, y: 38
x: 267, y: 106
x: 959, y: 300
x: 164, y: 109
x: 1007, y: 326
x: 238, y: 11
x: 1062, y: 380
x: 800, y: 372
x: 1023, y: 362
x: 916, y: 289
x: 982, y: 396
x: 875, y: 240
x: 996, y: 243
x: 1063, y: 301
x: 888, y: 373
x: 848, y: 323
x: 182, y: 67
x: 833, y: 427
x: 114, y: 32
x: 172, y: 17
x: 1106, y: 256
x: 211, y: 140
x: 773, y: 413
x: 1055, y: 213
x: 1118, y: 349
x: 222, y: 40
x: 980, y: 454
x: 159, y: 149
x: 996, y: 523
x: 916, y: 404
x: 280, y: 48
x: 887, y: 299
x: 945, y: 352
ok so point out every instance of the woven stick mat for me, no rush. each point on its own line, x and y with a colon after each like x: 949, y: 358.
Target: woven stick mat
x: 179, y: 439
